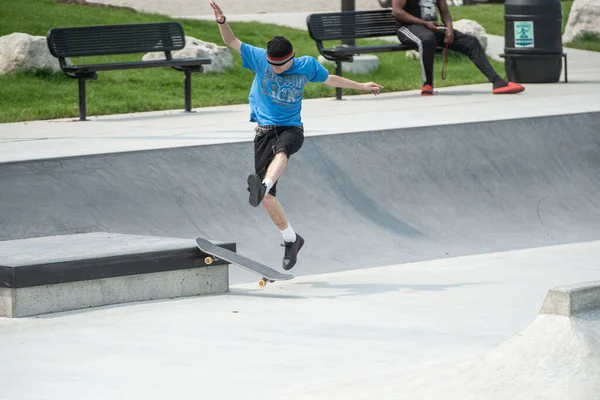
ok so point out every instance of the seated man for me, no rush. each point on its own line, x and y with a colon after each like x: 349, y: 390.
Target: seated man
x: 418, y: 26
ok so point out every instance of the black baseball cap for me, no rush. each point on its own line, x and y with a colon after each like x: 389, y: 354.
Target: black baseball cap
x: 279, y: 51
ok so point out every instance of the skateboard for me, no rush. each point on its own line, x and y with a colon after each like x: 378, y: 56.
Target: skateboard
x: 215, y: 252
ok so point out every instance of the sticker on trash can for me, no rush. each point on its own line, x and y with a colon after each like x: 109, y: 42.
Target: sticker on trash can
x: 524, y: 34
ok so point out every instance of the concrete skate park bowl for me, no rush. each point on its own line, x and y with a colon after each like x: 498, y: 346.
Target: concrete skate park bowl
x: 360, y: 200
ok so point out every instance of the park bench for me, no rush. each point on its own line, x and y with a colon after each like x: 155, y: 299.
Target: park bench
x: 349, y: 26
x: 105, y: 40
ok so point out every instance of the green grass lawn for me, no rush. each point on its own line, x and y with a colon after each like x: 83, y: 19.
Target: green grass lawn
x: 586, y: 42
x: 46, y: 95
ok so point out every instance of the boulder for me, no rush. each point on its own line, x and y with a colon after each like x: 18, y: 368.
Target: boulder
x: 195, y: 48
x: 412, y: 54
x: 23, y: 52
x: 473, y: 28
x: 583, y: 18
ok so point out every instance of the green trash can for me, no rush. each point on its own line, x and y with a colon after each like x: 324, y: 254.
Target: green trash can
x: 533, y: 48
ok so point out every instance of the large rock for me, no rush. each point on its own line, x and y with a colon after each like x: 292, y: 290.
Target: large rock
x: 23, y: 52
x: 583, y: 18
x: 195, y: 48
x: 412, y: 54
x: 472, y: 28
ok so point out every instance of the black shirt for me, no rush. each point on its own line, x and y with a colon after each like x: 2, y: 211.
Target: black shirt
x: 423, y: 9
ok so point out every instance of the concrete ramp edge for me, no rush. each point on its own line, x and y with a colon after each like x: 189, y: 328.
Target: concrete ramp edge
x: 572, y: 299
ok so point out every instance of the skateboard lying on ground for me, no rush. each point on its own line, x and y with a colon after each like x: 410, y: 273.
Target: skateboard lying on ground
x: 268, y: 274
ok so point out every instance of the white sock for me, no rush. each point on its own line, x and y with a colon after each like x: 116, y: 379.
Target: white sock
x: 288, y: 234
x: 268, y: 183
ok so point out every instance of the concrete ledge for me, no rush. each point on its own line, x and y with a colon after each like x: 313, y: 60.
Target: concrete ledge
x: 37, y: 300
x: 61, y: 273
x: 572, y: 299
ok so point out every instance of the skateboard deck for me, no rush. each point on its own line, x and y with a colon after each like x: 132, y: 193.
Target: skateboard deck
x: 268, y: 274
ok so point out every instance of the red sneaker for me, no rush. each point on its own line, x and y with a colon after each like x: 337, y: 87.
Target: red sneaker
x: 427, y: 90
x: 509, y: 89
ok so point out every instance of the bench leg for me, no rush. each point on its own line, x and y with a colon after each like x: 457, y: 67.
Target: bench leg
x: 82, y: 104
x: 338, y: 72
x: 565, y: 59
x: 188, y: 91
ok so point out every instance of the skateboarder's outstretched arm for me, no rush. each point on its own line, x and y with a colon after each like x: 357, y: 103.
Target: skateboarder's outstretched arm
x: 226, y: 32
x: 338, y: 81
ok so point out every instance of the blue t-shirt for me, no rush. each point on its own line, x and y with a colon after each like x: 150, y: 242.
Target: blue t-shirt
x: 277, y: 99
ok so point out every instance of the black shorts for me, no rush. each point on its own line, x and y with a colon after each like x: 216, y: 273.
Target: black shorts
x: 270, y: 140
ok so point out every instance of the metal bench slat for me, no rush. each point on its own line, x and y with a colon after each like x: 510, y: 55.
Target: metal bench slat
x: 352, y: 25
x: 180, y: 62
x: 115, y: 39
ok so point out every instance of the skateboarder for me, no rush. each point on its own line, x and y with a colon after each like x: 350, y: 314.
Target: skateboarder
x: 275, y: 103
x: 418, y: 26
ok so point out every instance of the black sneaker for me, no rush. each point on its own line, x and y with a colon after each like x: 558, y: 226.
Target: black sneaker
x: 257, y: 190
x: 291, y: 250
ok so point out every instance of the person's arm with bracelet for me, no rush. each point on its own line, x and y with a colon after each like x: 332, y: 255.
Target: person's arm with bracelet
x: 226, y: 32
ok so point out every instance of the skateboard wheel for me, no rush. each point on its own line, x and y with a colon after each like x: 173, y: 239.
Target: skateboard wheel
x: 208, y: 260
x: 262, y: 283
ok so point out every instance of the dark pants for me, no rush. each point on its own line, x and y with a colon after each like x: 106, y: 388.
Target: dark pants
x: 426, y: 42
x: 270, y: 140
